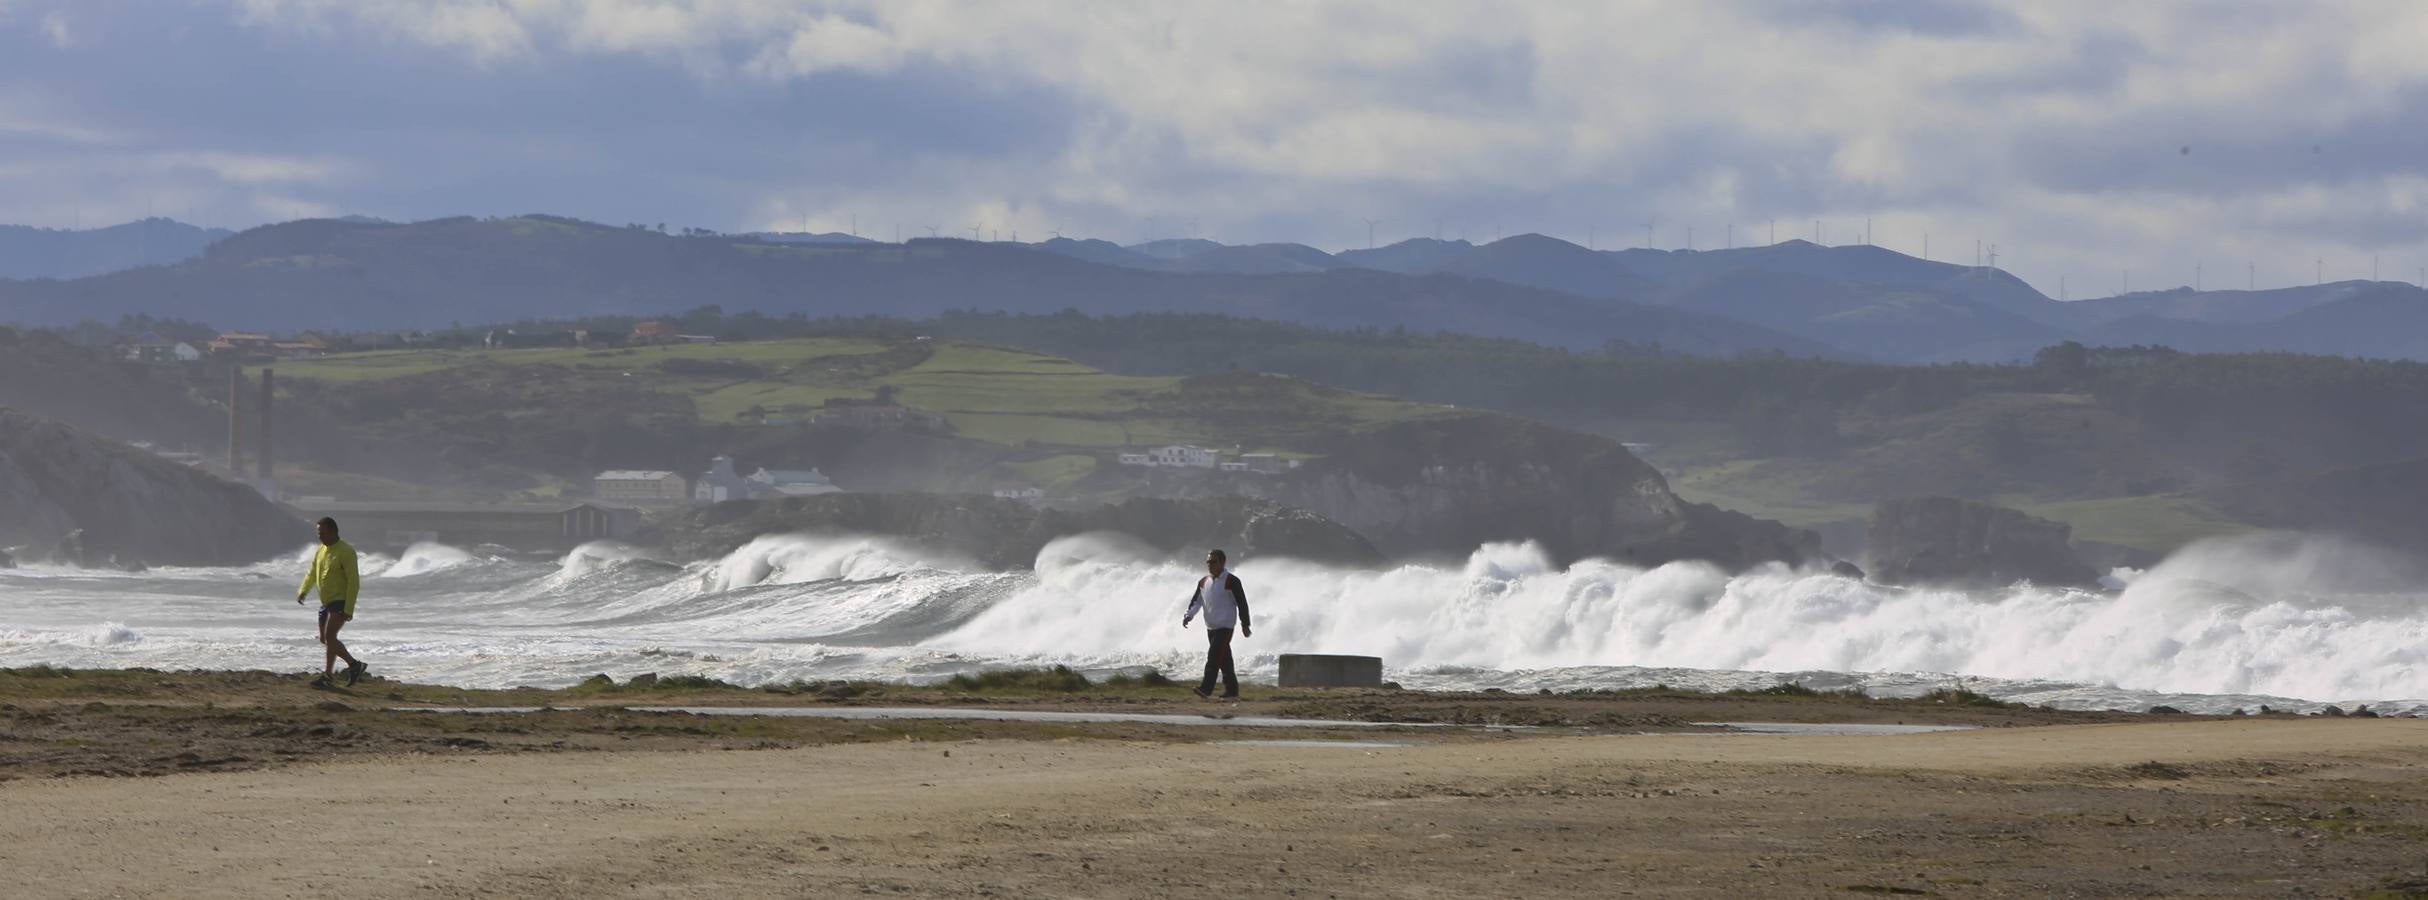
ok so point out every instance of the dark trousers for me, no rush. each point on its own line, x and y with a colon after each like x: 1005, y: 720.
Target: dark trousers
x: 1218, y: 659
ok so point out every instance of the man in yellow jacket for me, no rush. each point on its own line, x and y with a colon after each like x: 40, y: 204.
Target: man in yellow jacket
x: 340, y: 580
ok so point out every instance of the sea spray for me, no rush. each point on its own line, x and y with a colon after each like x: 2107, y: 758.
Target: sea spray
x: 797, y: 559
x: 424, y: 558
x: 2245, y: 620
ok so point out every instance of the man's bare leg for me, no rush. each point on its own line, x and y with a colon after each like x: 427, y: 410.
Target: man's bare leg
x: 336, y: 648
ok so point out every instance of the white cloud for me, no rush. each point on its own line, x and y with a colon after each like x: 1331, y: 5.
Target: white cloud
x: 253, y: 169
x: 487, y: 31
x: 29, y: 114
x: 2052, y: 128
x: 55, y: 28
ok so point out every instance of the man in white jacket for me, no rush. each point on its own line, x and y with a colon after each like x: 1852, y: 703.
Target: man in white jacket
x: 1224, y: 602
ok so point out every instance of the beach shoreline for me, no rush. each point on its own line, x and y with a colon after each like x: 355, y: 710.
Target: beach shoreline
x: 594, y: 799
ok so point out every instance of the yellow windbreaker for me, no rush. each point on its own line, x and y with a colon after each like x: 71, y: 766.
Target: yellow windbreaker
x: 333, y: 569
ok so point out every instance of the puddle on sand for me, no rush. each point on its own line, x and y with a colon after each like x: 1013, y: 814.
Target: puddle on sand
x: 995, y: 715
x: 1830, y: 728
x: 1347, y: 745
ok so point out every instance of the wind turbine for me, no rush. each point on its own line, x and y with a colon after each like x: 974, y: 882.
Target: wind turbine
x: 1370, y: 223
x: 974, y: 231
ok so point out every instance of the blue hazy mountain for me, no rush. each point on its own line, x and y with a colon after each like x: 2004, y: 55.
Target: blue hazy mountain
x: 27, y: 252
x: 353, y: 276
x: 1408, y: 257
x: 809, y: 237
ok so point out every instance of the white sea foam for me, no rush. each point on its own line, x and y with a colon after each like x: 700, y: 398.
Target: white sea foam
x: 2221, y: 625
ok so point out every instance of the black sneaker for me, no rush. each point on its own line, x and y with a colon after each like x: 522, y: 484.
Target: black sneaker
x: 354, y: 673
x: 1202, y: 693
x: 322, y: 682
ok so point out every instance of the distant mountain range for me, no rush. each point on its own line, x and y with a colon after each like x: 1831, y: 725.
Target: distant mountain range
x: 326, y: 274
x: 1795, y: 297
x: 57, y: 253
x: 1861, y: 300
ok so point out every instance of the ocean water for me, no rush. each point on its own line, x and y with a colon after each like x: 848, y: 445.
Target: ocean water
x: 2285, y: 620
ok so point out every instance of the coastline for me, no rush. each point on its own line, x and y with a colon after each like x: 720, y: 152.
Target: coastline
x: 267, y: 787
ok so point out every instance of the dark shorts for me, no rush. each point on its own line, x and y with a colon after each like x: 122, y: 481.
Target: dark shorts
x: 327, y: 608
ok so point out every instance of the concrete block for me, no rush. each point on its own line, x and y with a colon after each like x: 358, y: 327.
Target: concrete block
x: 1326, y: 670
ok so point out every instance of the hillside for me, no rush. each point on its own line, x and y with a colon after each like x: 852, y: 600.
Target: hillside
x: 1414, y: 477
x: 2184, y: 304
x: 993, y: 395
x: 28, y: 253
x: 1797, y: 297
x: 366, y: 276
x: 130, y: 507
x: 2379, y: 320
x: 1865, y: 301
x: 2120, y: 444
x: 43, y: 375
x: 2377, y: 503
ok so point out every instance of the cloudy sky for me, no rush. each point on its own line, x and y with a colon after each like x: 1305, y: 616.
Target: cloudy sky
x: 2085, y: 140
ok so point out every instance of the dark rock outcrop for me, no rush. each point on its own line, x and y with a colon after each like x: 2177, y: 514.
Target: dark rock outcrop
x: 95, y: 502
x: 1452, y: 483
x: 1943, y: 540
x: 1007, y: 534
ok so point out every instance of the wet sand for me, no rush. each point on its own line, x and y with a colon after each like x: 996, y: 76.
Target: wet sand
x: 616, y: 803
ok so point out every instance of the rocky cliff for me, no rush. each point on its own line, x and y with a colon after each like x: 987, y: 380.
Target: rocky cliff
x: 1943, y: 540
x: 100, y: 500
x: 1006, y: 534
x: 1450, y: 484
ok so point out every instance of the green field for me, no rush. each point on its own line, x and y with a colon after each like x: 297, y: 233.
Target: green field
x: 990, y: 394
x: 2159, y: 523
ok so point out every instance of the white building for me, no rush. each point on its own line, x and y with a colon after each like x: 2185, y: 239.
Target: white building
x: 1183, y: 456
x: 1028, y: 494
x: 720, y: 483
x: 1263, y: 463
x: 1136, y: 459
x: 638, y: 486
x: 791, y: 483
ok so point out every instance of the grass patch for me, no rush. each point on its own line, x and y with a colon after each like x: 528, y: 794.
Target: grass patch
x: 2158, y: 770
x: 1957, y: 696
x: 1790, y: 689
x: 651, y: 682
x: 2397, y: 887
x: 2159, y: 523
x: 1055, y: 471
x: 1056, y: 680
x: 990, y: 394
x: 1152, y: 679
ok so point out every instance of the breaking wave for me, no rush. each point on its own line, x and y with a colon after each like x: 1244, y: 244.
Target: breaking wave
x: 2223, y: 624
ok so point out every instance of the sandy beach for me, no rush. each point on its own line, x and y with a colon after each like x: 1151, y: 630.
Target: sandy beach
x: 605, y: 802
